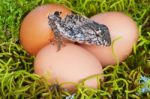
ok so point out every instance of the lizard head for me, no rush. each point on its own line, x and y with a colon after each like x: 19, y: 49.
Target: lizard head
x: 55, y: 16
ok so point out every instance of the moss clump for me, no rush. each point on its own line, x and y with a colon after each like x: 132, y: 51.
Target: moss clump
x: 122, y: 81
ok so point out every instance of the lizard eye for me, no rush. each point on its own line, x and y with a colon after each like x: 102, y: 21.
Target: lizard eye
x: 57, y: 13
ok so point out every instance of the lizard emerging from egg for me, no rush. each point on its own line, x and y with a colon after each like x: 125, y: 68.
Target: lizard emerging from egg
x: 79, y: 29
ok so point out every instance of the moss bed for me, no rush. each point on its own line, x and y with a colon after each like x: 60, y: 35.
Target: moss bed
x: 122, y: 81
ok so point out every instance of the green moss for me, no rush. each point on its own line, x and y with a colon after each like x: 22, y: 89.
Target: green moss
x: 17, y: 79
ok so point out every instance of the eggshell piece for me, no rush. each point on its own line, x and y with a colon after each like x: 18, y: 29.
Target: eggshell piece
x: 35, y: 32
x: 71, y: 64
x: 124, y: 34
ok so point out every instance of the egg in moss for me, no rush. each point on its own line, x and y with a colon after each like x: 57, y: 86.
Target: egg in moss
x: 35, y: 31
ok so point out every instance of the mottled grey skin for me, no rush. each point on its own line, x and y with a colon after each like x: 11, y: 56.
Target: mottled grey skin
x: 78, y: 29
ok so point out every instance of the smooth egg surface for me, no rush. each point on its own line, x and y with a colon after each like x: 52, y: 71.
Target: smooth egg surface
x: 124, y: 34
x: 70, y: 64
x: 35, y: 32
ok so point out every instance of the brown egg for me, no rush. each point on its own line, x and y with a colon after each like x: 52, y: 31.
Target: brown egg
x: 35, y: 31
x: 71, y: 64
x: 124, y: 34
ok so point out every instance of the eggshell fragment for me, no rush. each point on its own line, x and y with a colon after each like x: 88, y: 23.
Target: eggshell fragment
x: 71, y: 64
x: 124, y: 34
x: 35, y: 32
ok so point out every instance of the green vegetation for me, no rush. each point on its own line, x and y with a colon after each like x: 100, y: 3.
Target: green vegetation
x: 17, y: 80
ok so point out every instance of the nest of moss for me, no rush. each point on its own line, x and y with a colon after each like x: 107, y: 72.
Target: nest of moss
x: 122, y: 81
